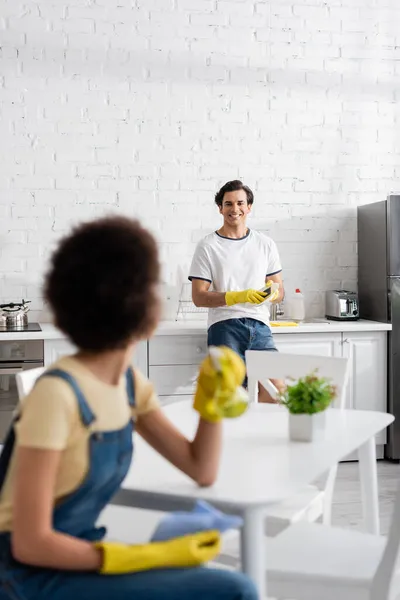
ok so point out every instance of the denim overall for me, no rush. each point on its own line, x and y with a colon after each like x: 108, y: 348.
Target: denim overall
x: 110, y: 455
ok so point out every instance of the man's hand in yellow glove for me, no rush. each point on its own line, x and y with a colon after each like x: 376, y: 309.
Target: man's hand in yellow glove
x: 219, y: 393
x: 250, y: 296
x: 187, y: 551
x: 271, y: 291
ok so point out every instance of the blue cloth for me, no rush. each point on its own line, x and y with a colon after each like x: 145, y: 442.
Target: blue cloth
x: 241, y: 335
x: 203, y: 517
x: 110, y: 455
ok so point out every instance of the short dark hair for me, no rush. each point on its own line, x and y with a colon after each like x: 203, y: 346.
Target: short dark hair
x: 102, y: 283
x: 233, y: 186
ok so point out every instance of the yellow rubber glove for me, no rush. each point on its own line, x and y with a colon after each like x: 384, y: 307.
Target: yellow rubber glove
x: 251, y: 296
x: 187, y: 551
x: 219, y: 393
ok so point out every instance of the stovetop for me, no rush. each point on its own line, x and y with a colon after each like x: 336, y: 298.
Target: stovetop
x: 19, y: 328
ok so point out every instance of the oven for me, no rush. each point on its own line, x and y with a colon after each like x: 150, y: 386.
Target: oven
x: 15, y: 356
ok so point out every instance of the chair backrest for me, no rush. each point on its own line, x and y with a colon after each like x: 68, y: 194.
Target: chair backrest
x: 26, y: 380
x: 381, y: 583
x: 263, y: 366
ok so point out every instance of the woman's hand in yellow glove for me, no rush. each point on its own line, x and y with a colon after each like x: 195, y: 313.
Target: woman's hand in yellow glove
x: 187, y: 551
x: 251, y: 296
x: 218, y: 393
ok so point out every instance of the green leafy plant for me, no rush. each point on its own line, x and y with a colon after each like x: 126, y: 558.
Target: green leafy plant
x: 308, y: 395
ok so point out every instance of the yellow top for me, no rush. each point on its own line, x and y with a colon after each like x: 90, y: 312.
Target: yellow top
x: 50, y: 419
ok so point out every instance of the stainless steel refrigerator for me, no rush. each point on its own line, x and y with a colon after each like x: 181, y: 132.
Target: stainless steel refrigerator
x: 379, y: 291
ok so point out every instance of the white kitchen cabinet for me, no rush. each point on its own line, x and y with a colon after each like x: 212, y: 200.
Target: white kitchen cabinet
x: 140, y: 359
x: 174, y: 360
x: 313, y: 344
x: 173, y: 379
x: 177, y: 349
x: 366, y: 390
x: 174, y: 364
x: 56, y: 349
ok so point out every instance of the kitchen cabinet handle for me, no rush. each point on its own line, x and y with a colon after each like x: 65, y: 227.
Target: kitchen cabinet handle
x: 11, y: 371
x: 199, y: 350
x: 346, y: 341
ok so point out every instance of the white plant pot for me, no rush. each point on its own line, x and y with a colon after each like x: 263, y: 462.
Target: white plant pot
x: 307, y: 428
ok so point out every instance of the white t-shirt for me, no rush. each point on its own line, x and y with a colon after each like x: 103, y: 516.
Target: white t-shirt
x: 232, y: 265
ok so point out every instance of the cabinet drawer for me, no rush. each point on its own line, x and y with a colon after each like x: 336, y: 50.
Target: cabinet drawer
x: 177, y: 349
x: 177, y: 380
x: 313, y: 344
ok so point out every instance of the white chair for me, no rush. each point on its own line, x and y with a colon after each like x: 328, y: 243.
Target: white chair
x: 26, y: 380
x: 124, y: 524
x: 311, y: 503
x: 309, y: 562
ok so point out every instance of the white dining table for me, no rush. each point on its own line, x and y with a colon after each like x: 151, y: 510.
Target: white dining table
x: 260, y: 467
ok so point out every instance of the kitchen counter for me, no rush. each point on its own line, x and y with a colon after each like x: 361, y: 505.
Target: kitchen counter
x: 49, y: 332
x: 311, y: 326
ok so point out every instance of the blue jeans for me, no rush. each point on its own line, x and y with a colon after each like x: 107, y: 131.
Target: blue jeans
x: 241, y: 335
x: 163, y: 584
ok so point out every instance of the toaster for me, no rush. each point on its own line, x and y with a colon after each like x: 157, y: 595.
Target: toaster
x: 341, y: 305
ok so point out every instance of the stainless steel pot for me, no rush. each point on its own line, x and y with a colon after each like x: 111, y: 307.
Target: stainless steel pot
x: 14, y: 314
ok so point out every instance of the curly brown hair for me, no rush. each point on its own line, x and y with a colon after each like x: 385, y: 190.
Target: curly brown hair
x: 102, y: 284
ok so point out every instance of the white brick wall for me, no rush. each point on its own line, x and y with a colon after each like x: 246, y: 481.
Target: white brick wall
x: 147, y: 107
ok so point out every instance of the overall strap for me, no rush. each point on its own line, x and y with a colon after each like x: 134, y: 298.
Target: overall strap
x: 85, y: 411
x: 130, y: 386
x: 6, y: 453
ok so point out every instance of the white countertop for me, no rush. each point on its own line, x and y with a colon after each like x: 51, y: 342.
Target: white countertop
x: 316, y: 326
x: 49, y: 332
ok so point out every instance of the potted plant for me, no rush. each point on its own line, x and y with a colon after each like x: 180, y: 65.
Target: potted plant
x: 307, y: 400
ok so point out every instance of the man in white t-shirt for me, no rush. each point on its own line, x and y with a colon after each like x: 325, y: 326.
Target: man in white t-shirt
x: 229, y: 268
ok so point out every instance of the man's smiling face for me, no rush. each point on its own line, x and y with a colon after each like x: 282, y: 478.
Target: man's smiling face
x: 235, y: 208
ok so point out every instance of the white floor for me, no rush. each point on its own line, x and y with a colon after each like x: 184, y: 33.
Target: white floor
x: 347, y: 510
